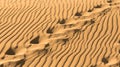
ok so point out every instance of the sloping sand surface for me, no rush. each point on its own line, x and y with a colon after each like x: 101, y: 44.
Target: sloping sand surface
x: 59, y: 33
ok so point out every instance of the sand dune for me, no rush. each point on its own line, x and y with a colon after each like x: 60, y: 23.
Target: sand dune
x: 59, y: 33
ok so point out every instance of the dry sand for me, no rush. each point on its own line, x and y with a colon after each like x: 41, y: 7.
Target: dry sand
x: 59, y: 33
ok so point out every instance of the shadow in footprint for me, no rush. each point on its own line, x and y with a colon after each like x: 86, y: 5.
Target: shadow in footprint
x: 109, y: 1
x: 98, y: 6
x: 92, y: 21
x: 1, y: 65
x: 44, y: 51
x: 62, y: 21
x: 90, y: 10
x: 93, y: 66
x: 3, y: 57
x: 76, y: 30
x: 119, y: 51
x: 65, y: 41
x: 21, y: 62
x: 10, y: 52
x: 47, y: 45
x: 119, y: 41
x: 104, y: 60
x: 86, y: 22
x: 35, y: 40
x: 50, y: 30
x: 78, y: 14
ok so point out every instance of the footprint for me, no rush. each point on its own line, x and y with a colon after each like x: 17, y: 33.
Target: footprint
x: 119, y: 41
x: 1, y: 65
x: 90, y: 10
x: 78, y: 14
x: 50, y: 30
x: 105, y: 60
x: 119, y: 51
x: 93, y: 66
x: 109, y: 1
x: 21, y: 62
x: 10, y: 52
x: 35, y: 40
x: 61, y: 21
x: 98, y: 6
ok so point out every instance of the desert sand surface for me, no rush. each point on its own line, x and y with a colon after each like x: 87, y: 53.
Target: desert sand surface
x: 59, y: 33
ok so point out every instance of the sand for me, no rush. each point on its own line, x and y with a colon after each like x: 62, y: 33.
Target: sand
x: 59, y: 33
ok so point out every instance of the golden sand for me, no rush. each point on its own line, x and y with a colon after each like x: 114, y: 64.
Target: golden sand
x: 59, y: 33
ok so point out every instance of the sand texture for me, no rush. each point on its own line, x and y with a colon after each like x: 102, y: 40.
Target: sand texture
x: 59, y: 33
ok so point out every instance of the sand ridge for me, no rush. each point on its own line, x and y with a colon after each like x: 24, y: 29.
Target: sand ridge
x: 59, y: 33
